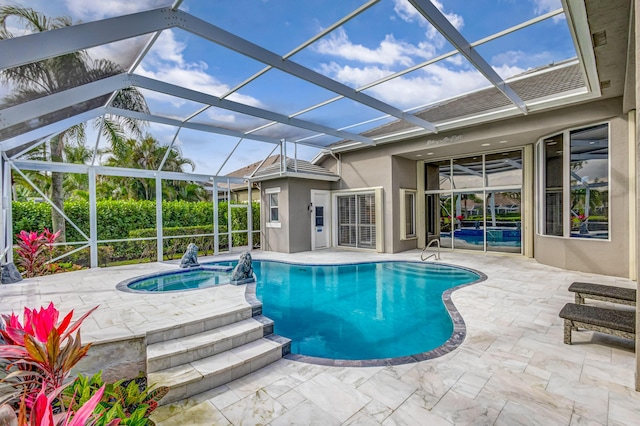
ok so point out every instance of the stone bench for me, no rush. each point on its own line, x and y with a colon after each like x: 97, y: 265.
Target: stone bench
x: 621, y: 323
x: 606, y: 293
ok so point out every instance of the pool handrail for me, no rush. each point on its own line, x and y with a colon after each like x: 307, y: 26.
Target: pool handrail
x: 435, y: 255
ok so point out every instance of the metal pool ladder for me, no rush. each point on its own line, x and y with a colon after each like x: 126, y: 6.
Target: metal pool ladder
x: 435, y: 255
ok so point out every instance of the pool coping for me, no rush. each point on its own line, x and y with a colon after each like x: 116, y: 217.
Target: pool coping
x: 455, y: 340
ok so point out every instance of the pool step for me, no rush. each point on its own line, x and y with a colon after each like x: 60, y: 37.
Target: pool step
x: 200, y: 356
x: 183, y: 350
x: 199, y: 376
x: 198, y: 326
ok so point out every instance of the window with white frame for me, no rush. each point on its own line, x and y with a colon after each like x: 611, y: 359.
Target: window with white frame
x: 407, y: 214
x: 573, y: 183
x: 274, y: 213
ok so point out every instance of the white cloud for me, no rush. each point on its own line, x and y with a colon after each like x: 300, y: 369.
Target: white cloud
x: 354, y: 76
x: 165, y: 62
x: 94, y: 10
x: 507, y: 71
x: 544, y: 6
x: 389, y: 52
x: 408, y: 13
x: 433, y: 83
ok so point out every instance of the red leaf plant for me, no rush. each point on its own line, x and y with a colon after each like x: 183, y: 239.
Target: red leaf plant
x: 40, y: 352
x: 34, y: 250
x: 42, y: 412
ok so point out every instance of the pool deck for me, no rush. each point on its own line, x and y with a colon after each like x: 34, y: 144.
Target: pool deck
x: 511, y: 369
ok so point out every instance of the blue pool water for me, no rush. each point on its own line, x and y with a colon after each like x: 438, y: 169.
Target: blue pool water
x: 189, y: 279
x: 360, y: 311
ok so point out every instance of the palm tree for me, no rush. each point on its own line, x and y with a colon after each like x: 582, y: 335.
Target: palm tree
x: 148, y: 154
x: 53, y: 75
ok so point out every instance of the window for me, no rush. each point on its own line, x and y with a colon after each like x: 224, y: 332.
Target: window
x: 273, y: 208
x: 274, y: 213
x: 575, y: 185
x: 357, y: 220
x: 407, y: 214
x: 474, y: 202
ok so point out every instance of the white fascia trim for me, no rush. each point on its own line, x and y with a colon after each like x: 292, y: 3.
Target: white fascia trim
x: 298, y: 175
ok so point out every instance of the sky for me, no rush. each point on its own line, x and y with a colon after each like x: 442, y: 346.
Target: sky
x: 386, y: 38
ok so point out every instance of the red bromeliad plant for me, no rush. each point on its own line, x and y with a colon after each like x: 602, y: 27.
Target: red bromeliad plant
x: 34, y: 250
x: 41, y: 351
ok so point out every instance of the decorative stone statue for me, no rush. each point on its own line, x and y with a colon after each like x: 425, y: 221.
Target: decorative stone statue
x: 190, y: 257
x: 10, y: 274
x: 243, y: 272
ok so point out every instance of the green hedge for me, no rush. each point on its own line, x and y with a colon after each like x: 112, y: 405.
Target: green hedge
x: 116, y: 219
x: 136, y: 219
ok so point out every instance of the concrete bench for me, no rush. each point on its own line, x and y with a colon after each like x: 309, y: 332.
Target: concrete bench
x: 604, y: 320
x: 606, y: 293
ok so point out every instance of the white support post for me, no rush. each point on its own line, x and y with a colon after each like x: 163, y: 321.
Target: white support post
x: 8, y: 212
x: 3, y: 208
x: 249, y: 216
x: 216, y: 230
x: 93, y: 219
x: 159, y: 242
x: 229, y: 218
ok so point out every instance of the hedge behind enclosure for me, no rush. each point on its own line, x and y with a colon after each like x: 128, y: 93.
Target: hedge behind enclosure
x: 116, y: 219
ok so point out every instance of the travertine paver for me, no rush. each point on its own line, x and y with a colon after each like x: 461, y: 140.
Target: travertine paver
x: 511, y: 369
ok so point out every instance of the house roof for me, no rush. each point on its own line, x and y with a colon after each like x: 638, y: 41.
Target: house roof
x: 540, y: 83
x: 294, y: 168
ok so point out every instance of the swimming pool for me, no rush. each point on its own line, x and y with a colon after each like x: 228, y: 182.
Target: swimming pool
x: 181, y: 280
x: 377, y: 311
x: 367, y: 311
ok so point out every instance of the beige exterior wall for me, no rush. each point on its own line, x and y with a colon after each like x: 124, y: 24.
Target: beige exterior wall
x: 294, y: 233
x: 404, y: 176
x: 275, y: 239
x: 371, y: 168
x: 601, y: 257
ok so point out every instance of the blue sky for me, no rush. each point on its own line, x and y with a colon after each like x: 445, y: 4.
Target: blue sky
x: 386, y: 38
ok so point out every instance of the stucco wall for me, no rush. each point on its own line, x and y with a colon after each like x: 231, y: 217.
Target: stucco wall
x: 602, y: 257
x: 275, y: 239
x: 294, y: 234
x: 403, y: 176
x: 368, y: 169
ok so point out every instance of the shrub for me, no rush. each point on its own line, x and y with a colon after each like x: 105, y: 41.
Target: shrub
x: 124, y: 399
x: 39, y: 353
x: 34, y: 250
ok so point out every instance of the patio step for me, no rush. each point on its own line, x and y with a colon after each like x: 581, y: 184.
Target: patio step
x: 201, y: 325
x: 201, y: 355
x: 183, y: 350
x: 204, y: 374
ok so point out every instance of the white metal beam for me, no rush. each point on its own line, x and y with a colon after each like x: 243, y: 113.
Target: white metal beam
x: 231, y: 41
x: 38, y: 46
x: 48, y: 104
x: 442, y: 24
x: 39, y: 107
x: 171, y: 89
x: 48, y: 44
x: 49, y: 129
x: 188, y: 125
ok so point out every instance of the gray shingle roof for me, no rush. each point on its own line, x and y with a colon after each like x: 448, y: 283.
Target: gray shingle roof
x: 304, y: 167
x: 541, y: 84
